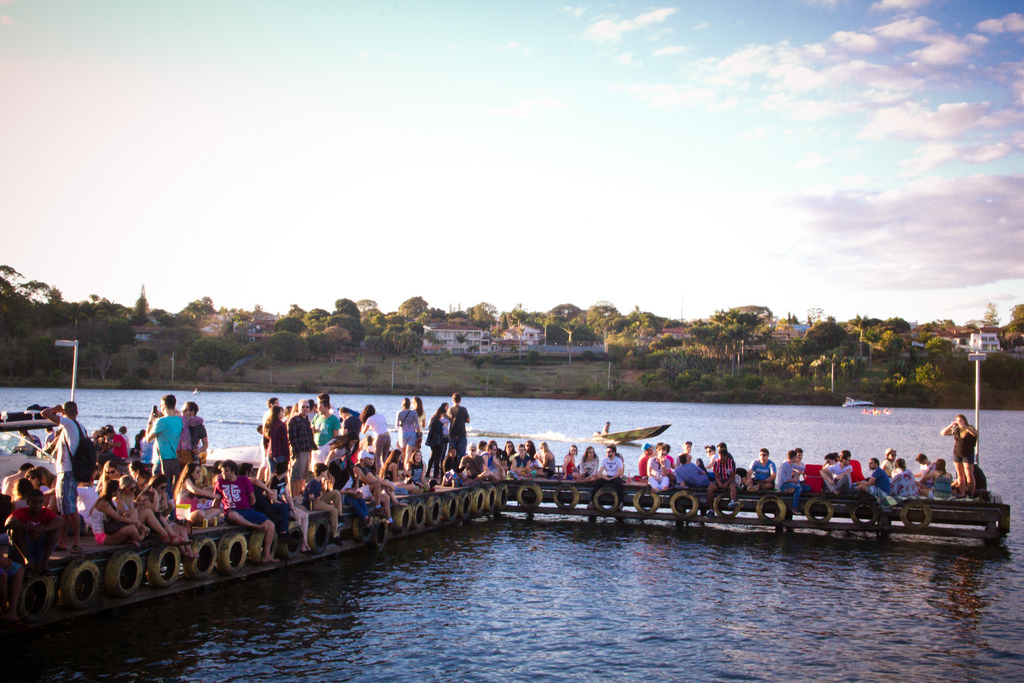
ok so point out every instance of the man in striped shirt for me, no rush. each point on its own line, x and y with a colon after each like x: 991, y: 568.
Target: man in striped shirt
x: 724, y: 471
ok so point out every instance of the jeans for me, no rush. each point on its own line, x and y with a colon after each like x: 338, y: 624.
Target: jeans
x: 797, y: 489
x: 358, y: 505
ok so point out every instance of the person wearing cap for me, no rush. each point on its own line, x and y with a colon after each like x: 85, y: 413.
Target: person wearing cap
x: 645, y: 457
x: 890, y: 460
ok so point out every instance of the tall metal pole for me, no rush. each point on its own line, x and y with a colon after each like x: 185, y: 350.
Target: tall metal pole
x: 977, y: 358
x: 74, y: 363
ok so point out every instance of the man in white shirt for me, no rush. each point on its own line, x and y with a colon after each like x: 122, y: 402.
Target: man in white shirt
x: 66, y: 487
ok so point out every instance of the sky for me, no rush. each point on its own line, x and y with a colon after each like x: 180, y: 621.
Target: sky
x: 861, y: 157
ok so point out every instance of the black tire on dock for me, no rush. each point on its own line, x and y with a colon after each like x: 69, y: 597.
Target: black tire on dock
x: 465, y: 504
x: 763, y: 507
x: 79, y: 584
x: 599, y: 496
x: 289, y: 550
x: 255, y: 545
x: 677, y: 498
x: 479, y: 501
x: 529, y: 495
x: 501, y: 491
x: 123, y: 574
x: 560, y: 502
x: 648, y: 509
x: 232, y: 551
x: 449, y: 507
x: 379, y: 534
x: 162, y: 566
x: 862, y: 521
x: 491, y: 501
x: 402, y: 515
x: 318, y: 534
x: 361, y: 529
x: 433, y: 507
x: 721, y: 507
x: 201, y: 566
x: 36, y: 596
x: 819, y: 501
x: 419, y: 514
x: 912, y: 507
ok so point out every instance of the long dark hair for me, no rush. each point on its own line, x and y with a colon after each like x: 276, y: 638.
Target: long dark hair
x: 368, y: 412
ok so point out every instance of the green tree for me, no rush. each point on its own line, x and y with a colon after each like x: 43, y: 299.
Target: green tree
x: 991, y: 317
x: 413, y: 308
x: 347, y: 308
x: 286, y: 346
x: 290, y: 324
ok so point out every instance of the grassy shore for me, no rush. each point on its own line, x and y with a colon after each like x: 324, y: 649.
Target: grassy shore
x: 532, y: 376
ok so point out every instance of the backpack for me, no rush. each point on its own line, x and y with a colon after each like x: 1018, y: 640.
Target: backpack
x: 83, y: 460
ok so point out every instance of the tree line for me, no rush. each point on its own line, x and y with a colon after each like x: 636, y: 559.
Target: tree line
x: 745, y: 352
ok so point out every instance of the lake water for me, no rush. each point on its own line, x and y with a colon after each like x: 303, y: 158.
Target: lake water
x: 558, y: 599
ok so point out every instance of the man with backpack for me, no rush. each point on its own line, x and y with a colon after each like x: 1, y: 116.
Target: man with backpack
x: 71, y: 438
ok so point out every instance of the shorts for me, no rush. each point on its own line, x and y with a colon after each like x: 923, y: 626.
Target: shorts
x: 963, y: 459
x: 407, y: 439
x: 67, y: 494
x: 299, y: 467
x: 100, y: 538
x: 251, y: 516
x: 13, y: 569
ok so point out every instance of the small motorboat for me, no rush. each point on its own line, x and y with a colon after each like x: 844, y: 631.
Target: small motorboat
x: 854, y: 403
x: 631, y: 434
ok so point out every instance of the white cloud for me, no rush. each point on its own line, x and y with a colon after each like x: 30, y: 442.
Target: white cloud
x: 514, y: 46
x: 6, y: 20
x: 935, y: 233
x: 911, y: 121
x: 670, y: 50
x: 611, y: 31
x: 942, y: 49
x: 1011, y: 23
x: 811, y: 161
x: 704, y: 25
x: 524, y: 108
x: 575, y: 11
x: 851, y: 41
x: 928, y: 157
x: 899, y: 5
x: 626, y: 59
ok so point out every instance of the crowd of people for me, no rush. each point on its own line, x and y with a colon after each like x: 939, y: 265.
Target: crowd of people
x: 317, y: 458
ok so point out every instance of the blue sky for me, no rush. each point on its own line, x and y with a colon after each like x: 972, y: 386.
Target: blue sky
x: 858, y: 157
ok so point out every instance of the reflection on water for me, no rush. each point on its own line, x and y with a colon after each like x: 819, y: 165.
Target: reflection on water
x: 564, y: 600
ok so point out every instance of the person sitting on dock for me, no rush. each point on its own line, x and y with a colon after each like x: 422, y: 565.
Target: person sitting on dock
x: 547, y: 460
x: 569, y: 463
x: 889, y: 464
x: 320, y: 497
x: 34, y: 531
x: 724, y: 471
x: 836, y: 475
x: 589, y: 466
x: 647, y: 452
x: 521, y: 463
x: 236, y: 496
x: 474, y: 468
x: 611, y: 473
x: 658, y: 477
x: 789, y: 474
x: 926, y: 475
x: 878, y: 484
x: 903, y: 484
x: 661, y: 451
x: 373, y: 487
x: 12, y: 575
x: 109, y: 526
x: 689, y: 474
x: 942, y: 488
x: 762, y: 473
x: 11, y: 480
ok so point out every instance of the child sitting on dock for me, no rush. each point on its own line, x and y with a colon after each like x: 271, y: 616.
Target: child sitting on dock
x: 34, y: 531
x: 724, y: 471
x: 942, y: 484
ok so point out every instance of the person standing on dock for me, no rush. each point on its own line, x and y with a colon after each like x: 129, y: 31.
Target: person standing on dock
x: 66, y: 488
x: 300, y: 447
x: 165, y: 433
x: 966, y: 438
x: 458, y: 418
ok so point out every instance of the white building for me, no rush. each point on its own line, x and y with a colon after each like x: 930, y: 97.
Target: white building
x: 459, y: 339
x: 987, y: 340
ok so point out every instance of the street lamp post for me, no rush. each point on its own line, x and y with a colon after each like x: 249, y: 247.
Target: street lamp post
x: 73, y: 343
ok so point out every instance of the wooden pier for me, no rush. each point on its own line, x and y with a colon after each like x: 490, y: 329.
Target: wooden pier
x: 106, y: 578
x: 988, y: 521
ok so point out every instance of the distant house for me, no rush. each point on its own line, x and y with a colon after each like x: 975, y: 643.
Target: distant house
x: 459, y: 339
x: 986, y: 340
x: 259, y: 326
x: 147, y: 332
x: 676, y: 332
x: 520, y: 337
x: 785, y: 333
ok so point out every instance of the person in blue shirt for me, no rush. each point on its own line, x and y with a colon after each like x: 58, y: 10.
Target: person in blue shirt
x: 761, y: 476
x: 878, y: 484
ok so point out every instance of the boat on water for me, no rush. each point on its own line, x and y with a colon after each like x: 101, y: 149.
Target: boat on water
x: 15, y: 449
x: 854, y: 403
x: 629, y: 435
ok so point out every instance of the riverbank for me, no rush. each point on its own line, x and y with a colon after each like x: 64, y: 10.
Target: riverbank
x: 535, y: 376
